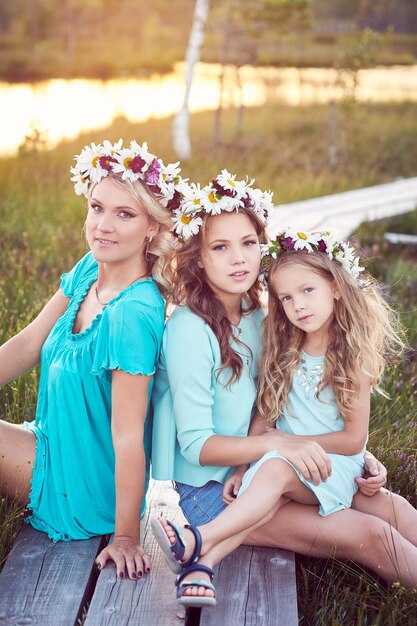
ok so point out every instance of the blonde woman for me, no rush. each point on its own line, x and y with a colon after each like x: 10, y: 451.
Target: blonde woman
x: 81, y: 467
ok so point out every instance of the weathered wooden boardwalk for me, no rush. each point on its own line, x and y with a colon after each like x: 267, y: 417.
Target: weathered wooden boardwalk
x: 341, y: 213
x: 57, y: 584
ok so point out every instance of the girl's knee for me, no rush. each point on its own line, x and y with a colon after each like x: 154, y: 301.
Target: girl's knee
x: 278, y: 471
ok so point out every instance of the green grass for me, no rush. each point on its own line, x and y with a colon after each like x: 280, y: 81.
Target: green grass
x: 286, y: 149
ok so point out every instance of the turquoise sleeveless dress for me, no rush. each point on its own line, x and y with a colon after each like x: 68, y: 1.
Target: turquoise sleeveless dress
x: 73, y: 484
x: 308, y: 415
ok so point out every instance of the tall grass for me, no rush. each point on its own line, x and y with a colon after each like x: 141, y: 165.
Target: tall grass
x: 287, y: 150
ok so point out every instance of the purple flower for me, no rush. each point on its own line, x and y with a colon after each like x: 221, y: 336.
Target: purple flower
x: 137, y: 164
x: 287, y: 243
x: 152, y: 174
x: 106, y: 161
x: 175, y: 201
x: 247, y: 201
x: 221, y: 191
x: 322, y: 245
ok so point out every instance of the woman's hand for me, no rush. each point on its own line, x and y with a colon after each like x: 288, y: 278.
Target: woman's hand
x: 374, y: 476
x: 128, y: 555
x: 232, y: 485
x: 308, y: 456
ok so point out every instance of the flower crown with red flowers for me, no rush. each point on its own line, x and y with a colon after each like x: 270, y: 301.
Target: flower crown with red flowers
x: 96, y: 161
x: 223, y: 193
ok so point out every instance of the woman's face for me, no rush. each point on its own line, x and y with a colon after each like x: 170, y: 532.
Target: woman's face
x: 116, y: 225
x: 231, y: 254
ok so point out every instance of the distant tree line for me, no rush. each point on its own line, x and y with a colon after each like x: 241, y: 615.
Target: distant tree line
x: 105, y: 38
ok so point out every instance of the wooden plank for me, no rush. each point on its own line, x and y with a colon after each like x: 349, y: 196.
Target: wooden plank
x: 400, y: 238
x: 342, y: 212
x: 254, y: 586
x: 150, y: 601
x: 47, y: 583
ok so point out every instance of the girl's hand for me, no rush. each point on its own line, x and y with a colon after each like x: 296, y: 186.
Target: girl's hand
x: 308, y: 456
x: 232, y: 485
x: 374, y: 477
x: 127, y: 555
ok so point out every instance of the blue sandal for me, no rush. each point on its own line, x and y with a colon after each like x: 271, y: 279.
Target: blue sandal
x: 195, y: 601
x: 175, y: 552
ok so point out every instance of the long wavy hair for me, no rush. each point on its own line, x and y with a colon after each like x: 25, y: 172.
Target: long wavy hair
x: 191, y: 289
x: 158, y: 252
x: 365, y: 331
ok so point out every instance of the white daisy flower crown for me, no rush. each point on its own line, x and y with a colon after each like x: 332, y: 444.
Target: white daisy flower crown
x: 96, y: 161
x: 223, y: 193
x: 290, y: 241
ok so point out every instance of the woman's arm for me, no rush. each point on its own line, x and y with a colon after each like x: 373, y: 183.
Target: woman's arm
x: 129, y: 407
x: 308, y: 455
x: 22, y: 352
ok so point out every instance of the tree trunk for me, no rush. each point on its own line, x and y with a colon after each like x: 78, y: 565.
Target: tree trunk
x: 180, y: 127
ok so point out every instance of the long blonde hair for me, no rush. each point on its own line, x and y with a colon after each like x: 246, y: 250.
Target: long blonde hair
x: 191, y: 288
x: 365, y: 332
x: 159, y: 252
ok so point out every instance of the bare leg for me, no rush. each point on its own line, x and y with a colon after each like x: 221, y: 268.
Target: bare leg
x: 347, y: 534
x: 393, y: 509
x: 17, y: 456
x: 274, y: 479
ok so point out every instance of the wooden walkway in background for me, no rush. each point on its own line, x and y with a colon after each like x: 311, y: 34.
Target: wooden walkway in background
x: 342, y: 213
x: 57, y: 584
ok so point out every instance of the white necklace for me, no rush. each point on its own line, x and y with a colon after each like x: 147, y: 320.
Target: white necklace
x: 309, y: 380
x: 106, y: 303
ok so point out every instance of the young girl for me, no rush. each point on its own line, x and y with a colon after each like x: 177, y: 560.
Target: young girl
x: 205, y: 391
x: 81, y: 467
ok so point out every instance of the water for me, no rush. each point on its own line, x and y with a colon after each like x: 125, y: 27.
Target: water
x: 64, y: 108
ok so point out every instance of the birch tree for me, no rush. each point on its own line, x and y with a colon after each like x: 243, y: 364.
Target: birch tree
x: 180, y: 128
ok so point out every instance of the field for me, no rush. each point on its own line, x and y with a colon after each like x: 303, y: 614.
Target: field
x: 287, y: 150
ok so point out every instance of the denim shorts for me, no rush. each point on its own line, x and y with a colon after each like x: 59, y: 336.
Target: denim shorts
x: 200, y: 504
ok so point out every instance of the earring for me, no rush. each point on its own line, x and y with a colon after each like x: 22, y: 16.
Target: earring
x: 148, y: 253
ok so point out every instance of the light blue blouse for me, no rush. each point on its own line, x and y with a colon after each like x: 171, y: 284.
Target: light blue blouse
x: 73, y: 485
x: 191, y: 403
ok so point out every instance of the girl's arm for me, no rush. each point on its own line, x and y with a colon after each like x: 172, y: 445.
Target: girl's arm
x: 129, y: 407
x: 22, y: 352
x: 308, y: 456
x: 352, y: 439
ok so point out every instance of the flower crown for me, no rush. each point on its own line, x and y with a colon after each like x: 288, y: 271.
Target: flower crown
x: 290, y: 241
x: 223, y: 193
x: 96, y: 161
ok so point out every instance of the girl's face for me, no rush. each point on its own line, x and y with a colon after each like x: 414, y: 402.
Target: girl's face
x: 231, y: 254
x: 306, y: 297
x: 116, y: 226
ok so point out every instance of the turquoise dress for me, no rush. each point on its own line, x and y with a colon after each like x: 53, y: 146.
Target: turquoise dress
x: 306, y: 414
x: 73, y: 485
x: 191, y: 401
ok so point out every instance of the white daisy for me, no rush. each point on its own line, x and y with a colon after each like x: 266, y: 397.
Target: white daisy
x: 262, y: 202
x: 88, y: 162
x: 186, y: 225
x: 130, y: 164
x: 215, y: 204
x: 303, y: 240
x: 110, y: 148
x: 81, y: 183
x: 228, y: 182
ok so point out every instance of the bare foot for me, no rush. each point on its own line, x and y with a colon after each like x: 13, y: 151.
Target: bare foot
x: 189, y: 539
